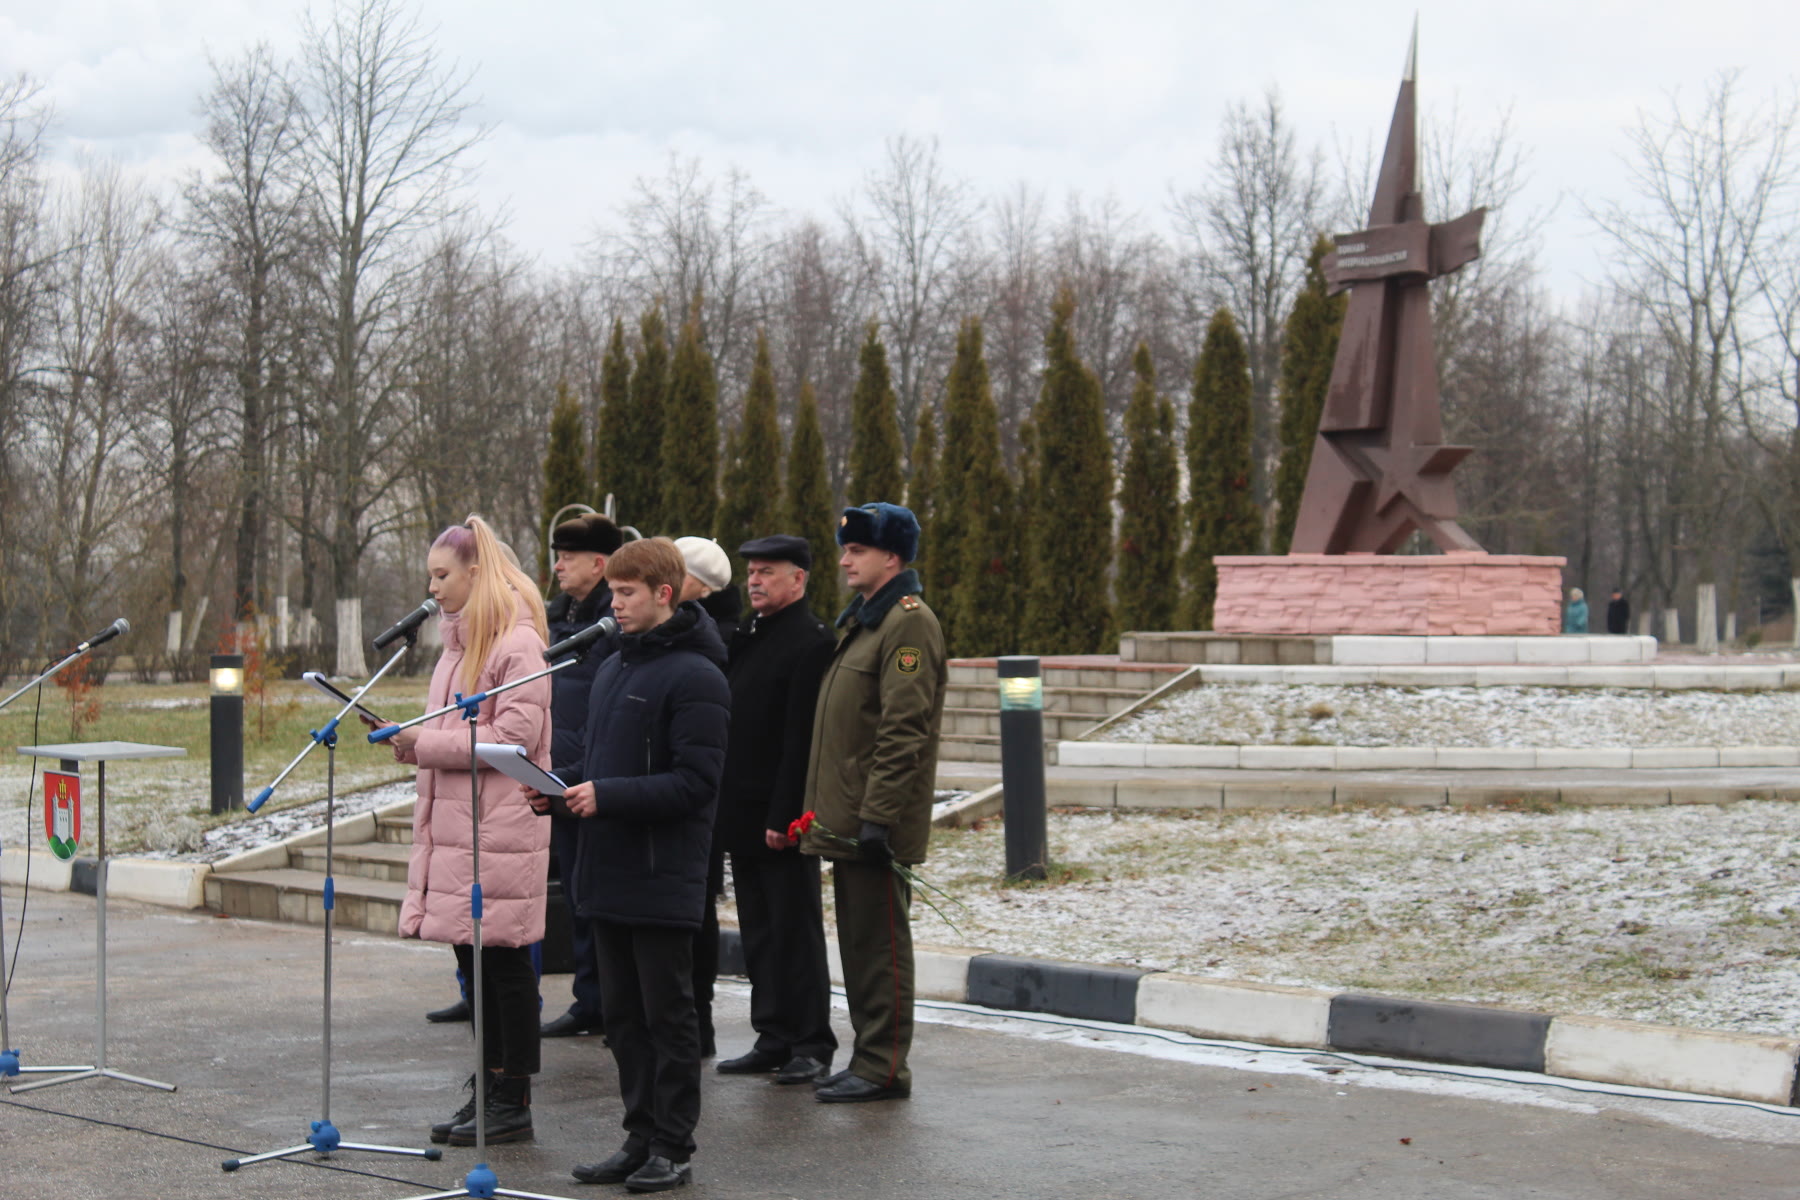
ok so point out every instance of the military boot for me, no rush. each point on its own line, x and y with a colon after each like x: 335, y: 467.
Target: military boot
x: 508, y: 1116
x: 440, y: 1133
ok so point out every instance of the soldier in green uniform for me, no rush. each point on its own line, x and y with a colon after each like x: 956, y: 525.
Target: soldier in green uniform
x: 871, y: 781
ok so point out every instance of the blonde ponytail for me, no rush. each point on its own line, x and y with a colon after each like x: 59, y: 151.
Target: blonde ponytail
x: 498, y: 590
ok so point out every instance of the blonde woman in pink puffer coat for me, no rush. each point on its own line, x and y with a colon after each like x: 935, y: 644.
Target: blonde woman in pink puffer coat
x: 493, y: 631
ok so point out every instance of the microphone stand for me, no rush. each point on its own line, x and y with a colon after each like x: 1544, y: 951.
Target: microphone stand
x: 9, y: 1055
x: 324, y: 1137
x: 481, y: 1181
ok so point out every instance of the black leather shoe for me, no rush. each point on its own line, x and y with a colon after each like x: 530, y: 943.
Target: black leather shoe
x: 754, y: 1063
x: 854, y: 1089
x: 801, y: 1069
x: 569, y: 1025
x: 460, y: 1011
x: 659, y: 1174
x: 616, y: 1169
x: 834, y: 1077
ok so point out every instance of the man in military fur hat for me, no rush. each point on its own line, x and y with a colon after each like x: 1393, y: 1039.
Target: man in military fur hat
x: 871, y: 780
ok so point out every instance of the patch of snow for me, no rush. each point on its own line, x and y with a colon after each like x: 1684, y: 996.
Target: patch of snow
x: 223, y: 841
x: 1686, y: 915
x: 1372, y: 715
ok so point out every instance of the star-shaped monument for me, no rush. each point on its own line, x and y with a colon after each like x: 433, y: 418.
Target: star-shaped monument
x: 1380, y: 468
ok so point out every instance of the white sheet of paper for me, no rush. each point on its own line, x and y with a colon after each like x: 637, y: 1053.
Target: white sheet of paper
x: 512, y: 761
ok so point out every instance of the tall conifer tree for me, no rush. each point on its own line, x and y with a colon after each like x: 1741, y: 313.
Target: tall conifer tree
x: 1222, y: 514
x: 565, y: 467
x: 1150, y: 528
x: 612, y: 425
x: 690, y: 437
x: 751, y: 499
x: 921, y: 486
x: 639, y: 490
x: 807, y: 510
x: 977, y: 541
x: 875, y: 449
x: 1067, y: 610
x: 1308, y: 348
x: 971, y: 443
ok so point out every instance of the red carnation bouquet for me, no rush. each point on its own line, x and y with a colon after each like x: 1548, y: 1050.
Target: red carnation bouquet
x: 808, y: 822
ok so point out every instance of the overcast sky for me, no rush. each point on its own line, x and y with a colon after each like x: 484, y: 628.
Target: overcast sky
x: 1120, y: 96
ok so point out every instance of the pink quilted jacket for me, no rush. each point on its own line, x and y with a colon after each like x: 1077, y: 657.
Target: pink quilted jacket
x: 515, y: 842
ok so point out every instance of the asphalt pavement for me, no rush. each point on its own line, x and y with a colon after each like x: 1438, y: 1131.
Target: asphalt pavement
x: 229, y: 1010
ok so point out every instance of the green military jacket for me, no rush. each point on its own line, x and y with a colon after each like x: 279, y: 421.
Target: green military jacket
x: 875, y: 730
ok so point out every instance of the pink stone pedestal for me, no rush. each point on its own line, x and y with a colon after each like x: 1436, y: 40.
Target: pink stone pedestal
x: 1460, y: 594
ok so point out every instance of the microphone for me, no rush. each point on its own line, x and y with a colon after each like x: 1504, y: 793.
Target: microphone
x: 105, y: 635
x: 578, y: 644
x: 406, y: 626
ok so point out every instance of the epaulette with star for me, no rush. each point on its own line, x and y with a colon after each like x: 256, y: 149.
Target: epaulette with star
x: 909, y: 603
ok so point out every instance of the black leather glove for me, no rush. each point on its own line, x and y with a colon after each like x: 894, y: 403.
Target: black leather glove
x: 873, y: 845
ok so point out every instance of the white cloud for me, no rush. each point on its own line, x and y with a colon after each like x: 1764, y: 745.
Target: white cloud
x: 1123, y: 97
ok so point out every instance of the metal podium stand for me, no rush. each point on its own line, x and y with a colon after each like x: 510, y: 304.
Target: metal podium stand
x: 101, y: 753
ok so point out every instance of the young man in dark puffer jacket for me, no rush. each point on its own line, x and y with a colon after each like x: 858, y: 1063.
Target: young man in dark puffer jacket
x: 658, y: 718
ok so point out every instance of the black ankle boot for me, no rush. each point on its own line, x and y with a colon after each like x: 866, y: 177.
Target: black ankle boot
x: 440, y: 1133
x: 508, y: 1116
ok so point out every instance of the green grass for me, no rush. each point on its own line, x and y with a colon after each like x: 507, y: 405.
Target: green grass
x: 141, y: 795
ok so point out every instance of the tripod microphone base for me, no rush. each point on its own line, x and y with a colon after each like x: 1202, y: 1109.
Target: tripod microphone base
x: 12, y: 1066
x: 90, y: 1073
x: 482, y: 1184
x: 324, y: 1140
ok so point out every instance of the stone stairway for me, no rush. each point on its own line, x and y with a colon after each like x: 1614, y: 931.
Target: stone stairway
x: 1080, y: 691
x: 369, y: 878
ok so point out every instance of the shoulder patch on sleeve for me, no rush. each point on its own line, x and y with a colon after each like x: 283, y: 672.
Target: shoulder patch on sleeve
x: 907, y: 660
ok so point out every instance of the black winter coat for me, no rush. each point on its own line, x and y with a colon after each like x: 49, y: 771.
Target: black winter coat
x: 776, y: 664
x: 570, y: 686
x: 725, y: 607
x: 658, y: 719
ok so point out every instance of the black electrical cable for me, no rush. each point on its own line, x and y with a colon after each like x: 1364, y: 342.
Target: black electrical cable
x: 12, y: 968
x: 1477, y: 1073
x: 188, y: 1141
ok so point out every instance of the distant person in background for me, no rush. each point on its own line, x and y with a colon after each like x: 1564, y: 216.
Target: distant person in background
x: 582, y: 547
x: 777, y: 660
x: 708, y: 584
x: 1618, y: 613
x: 1575, y: 613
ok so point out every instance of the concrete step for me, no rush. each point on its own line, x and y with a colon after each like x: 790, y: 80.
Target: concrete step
x: 971, y: 748
x: 395, y: 831
x: 365, y: 860
x: 986, y: 723
x: 1100, y: 702
x: 1094, y: 672
x: 1195, y: 788
x: 299, y: 897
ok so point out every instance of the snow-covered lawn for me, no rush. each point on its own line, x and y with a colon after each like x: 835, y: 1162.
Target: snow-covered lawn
x: 1358, y: 715
x: 1683, y: 915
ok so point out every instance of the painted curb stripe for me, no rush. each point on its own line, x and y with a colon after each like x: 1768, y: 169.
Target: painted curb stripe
x: 1465, y: 1034
x: 1061, y: 989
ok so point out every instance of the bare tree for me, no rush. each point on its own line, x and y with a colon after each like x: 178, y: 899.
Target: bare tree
x: 1248, y: 231
x: 249, y: 216
x: 86, y: 411
x: 1017, y: 293
x: 818, y: 297
x: 1713, y: 183
x: 26, y: 252
x: 384, y: 164
x: 685, y: 236
x: 916, y: 248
